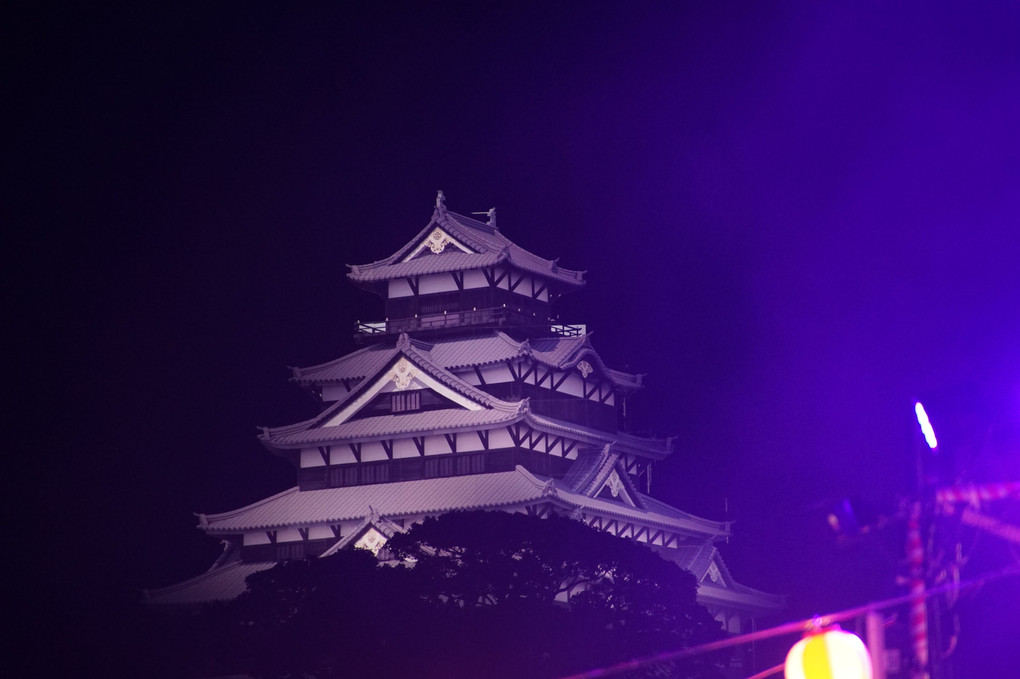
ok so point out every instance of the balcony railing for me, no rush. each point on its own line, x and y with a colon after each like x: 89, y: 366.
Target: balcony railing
x: 496, y: 317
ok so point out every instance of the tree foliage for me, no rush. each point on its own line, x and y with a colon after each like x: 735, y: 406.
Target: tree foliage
x: 475, y: 594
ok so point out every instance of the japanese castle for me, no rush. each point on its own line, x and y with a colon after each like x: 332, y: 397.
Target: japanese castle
x: 465, y: 397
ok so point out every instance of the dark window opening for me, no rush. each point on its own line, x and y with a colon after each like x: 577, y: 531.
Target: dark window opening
x: 405, y: 401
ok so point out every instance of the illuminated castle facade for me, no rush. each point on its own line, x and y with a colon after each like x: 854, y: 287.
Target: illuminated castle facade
x: 465, y: 397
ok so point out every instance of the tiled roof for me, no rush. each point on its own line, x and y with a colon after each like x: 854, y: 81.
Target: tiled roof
x: 222, y: 583
x: 696, y: 558
x: 404, y: 498
x: 623, y: 443
x: 409, y: 349
x: 673, y: 520
x: 489, y: 244
x: 455, y: 420
x: 427, y: 421
x: 356, y: 365
x: 558, y: 352
x: 437, y: 496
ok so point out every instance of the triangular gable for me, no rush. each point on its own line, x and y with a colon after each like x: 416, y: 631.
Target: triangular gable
x: 436, y: 242
x: 601, y: 474
x: 716, y: 575
x: 372, y: 534
x: 706, y: 564
x: 401, y: 375
x: 614, y: 488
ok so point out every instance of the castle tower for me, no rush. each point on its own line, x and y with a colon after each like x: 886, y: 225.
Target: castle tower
x: 465, y: 396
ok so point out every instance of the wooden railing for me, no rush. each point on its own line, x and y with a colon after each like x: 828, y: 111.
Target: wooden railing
x: 495, y: 317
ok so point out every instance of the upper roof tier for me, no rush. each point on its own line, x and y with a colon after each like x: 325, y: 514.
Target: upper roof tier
x: 464, y: 244
x: 453, y: 354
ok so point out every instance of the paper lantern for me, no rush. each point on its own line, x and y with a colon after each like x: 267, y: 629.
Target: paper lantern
x: 828, y: 654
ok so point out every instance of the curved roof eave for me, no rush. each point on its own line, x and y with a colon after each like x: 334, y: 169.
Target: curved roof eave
x: 483, y: 239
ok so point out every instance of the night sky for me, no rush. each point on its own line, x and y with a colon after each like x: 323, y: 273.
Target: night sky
x: 796, y: 218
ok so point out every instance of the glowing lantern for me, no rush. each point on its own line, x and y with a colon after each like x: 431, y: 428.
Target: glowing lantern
x: 828, y: 654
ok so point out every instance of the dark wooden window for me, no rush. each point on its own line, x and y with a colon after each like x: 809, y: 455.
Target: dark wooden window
x: 375, y: 473
x: 470, y: 464
x: 290, y: 550
x: 438, y: 466
x: 405, y: 401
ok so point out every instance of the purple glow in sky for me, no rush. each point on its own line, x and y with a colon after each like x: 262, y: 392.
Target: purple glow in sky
x: 767, y: 198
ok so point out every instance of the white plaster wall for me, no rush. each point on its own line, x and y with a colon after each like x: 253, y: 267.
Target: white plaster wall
x: 573, y: 385
x: 468, y: 442
x: 494, y: 374
x: 288, y: 535
x: 341, y: 455
x: 310, y: 457
x: 500, y: 438
x: 475, y: 279
x: 439, y: 282
x: 372, y: 452
x: 438, y: 445
x: 505, y: 283
x: 399, y: 288
x: 404, y: 448
x: 468, y: 376
x: 319, y: 532
x: 256, y: 538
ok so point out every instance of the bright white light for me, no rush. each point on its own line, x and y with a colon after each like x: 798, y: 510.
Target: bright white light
x: 922, y: 419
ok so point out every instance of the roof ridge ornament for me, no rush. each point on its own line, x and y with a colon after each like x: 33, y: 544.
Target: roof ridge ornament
x: 491, y: 217
x: 549, y: 489
x: 440, y: 202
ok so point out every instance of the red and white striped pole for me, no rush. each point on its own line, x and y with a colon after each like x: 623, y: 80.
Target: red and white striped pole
x: 918, y: 605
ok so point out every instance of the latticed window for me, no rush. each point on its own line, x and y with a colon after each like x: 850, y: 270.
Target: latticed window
x: 470, y: 464
x: 375, y: 473
x: 290, y: 550
x: 405, y: 401
x: 438, y: 466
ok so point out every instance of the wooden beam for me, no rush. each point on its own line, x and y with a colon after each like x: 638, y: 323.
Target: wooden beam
x: 537, y: 292
x: 513, y: 285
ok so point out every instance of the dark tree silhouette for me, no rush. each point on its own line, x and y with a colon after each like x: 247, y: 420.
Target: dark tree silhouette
x: 483, y: 594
